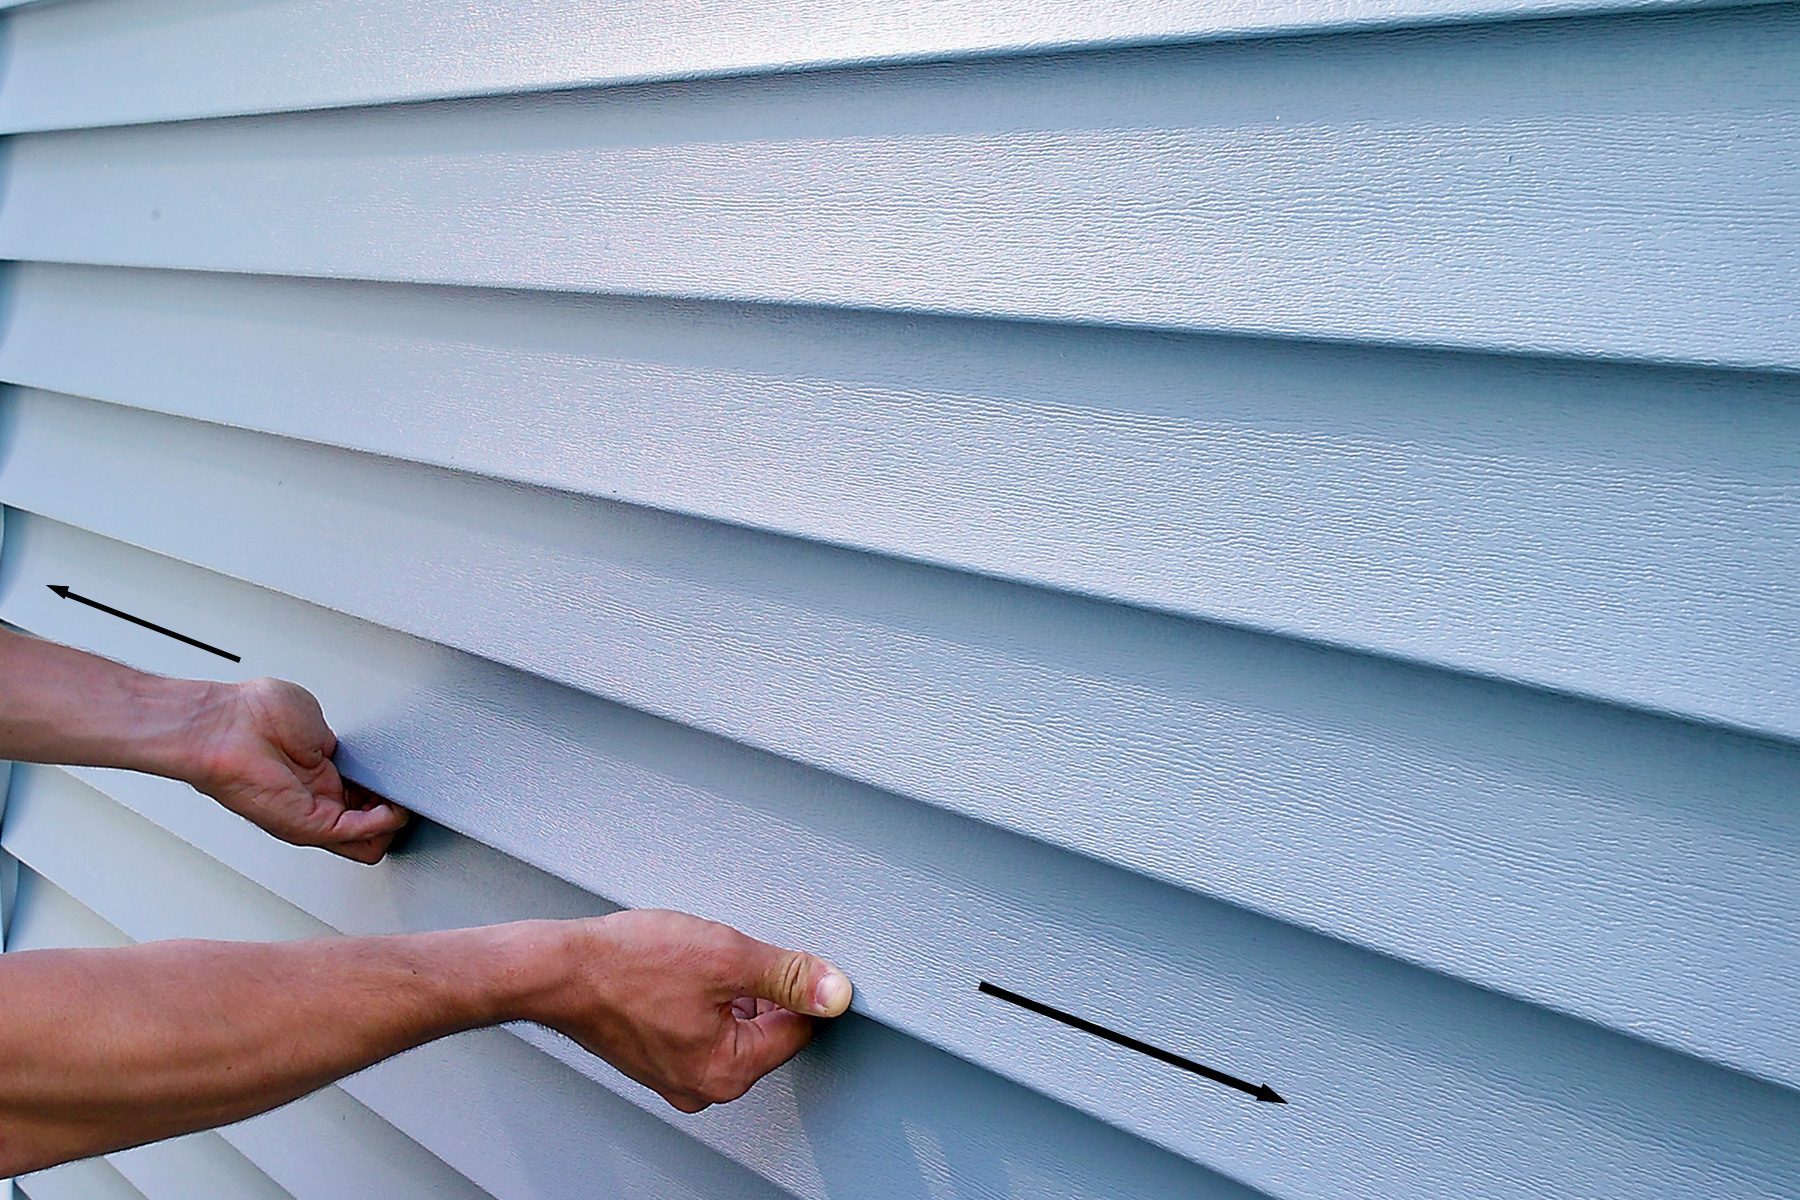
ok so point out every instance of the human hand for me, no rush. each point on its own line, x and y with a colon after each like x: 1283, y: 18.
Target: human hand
x: 263, y: 750
x: 691, y: 1009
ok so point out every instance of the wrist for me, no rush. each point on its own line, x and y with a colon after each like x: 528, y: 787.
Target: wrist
x: 530, y: 969
x: 174, y: 721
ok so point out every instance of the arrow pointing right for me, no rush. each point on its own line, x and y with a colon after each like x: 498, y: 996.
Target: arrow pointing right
x: 1261, y: 1091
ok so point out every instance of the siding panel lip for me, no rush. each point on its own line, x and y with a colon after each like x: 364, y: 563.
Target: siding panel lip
x: 1781, y: 361
x: 67, y: 64
x: 375, y: 292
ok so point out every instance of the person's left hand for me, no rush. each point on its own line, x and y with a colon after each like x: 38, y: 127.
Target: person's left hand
x: 263, y: 750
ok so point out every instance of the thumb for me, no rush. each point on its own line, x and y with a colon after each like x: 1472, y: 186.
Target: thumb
x: 799, y: 982
x: 355, y: 824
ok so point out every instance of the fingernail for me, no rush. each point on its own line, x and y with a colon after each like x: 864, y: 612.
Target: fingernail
x: 832, y: 995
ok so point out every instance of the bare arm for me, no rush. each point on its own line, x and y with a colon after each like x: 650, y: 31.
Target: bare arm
x: 262, y: 748
x: 66, y: 706
x: 103, y: 1049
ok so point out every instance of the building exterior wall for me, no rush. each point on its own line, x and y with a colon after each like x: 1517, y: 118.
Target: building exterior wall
x: 1273, y: 527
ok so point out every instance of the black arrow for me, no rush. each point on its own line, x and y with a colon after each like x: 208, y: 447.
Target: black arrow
x: 1261, y: 1091
x: 62, y: 589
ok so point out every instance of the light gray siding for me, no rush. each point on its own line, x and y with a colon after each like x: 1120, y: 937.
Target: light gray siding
x: 94, y: 1179
x: 1275, y: 529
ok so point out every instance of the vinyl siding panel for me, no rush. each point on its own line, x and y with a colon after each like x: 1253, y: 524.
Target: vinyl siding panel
x: 202, y: 1164
x: 117, y: 62
x: 1271, y: 527
x: 1289, y: 187
x: 94, y: 1179
x: 49, y: 917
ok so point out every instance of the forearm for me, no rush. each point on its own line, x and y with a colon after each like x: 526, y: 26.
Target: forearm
x: 63, y: 705
x: 103, y: 1049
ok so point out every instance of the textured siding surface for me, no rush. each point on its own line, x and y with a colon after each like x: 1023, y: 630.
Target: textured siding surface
x: 1272, y: 526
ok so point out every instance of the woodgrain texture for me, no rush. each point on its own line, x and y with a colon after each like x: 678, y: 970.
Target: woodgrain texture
x: 1612, y: 187
x: 1274, y: 526
x: 1532, y: 520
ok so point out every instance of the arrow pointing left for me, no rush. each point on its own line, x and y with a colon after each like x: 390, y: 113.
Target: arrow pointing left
x: 62, y: 589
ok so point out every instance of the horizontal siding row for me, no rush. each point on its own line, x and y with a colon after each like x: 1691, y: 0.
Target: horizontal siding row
x: 1616, y: 187
x: 111, y: 62
x: 1273, y: 526
x: 1399, y: 826
x: 648, y: 812
x: 1528, y: 519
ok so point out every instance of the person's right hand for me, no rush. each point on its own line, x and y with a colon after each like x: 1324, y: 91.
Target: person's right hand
x: 691, y: 1009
